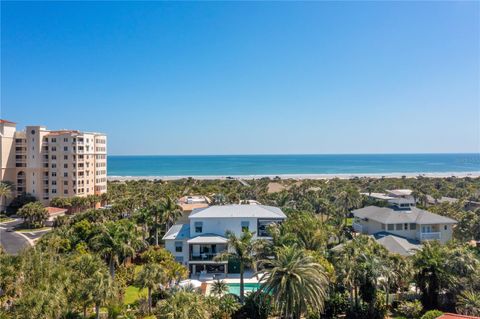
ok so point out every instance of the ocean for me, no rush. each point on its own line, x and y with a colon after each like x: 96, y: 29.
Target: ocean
x: 236, y: 165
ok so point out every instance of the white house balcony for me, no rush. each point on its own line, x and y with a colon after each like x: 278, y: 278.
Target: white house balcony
x: 206, y: 247
x: 430, y: 236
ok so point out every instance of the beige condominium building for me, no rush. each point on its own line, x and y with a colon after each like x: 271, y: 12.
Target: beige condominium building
x: 49, y: 164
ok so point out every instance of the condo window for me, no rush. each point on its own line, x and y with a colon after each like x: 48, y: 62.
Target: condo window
x: 445, y: 227
x: 391, y: 226
x: 245, y: 226
x: 65, y: 191
x: 198, y: 227
x: 65, y: 165
x: 65, y: 148
x: 54, y: 140
x: 54, y: 182
x: 54, y: 149
x: 54, y: 174
x: 178, y: 246
x: 65, y: 183
x: 65, y: 139
x: 65, y: 157
x: 399, y: 227
x: 65, y: 174
x: 54, y: 165
x: 413, y: 226
x: 384, y: 227
x: 405, y: 226
x: 54, y: 191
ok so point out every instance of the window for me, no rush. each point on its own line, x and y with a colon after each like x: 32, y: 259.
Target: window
x: 413, y: 226
x: 54, y: 165
x: 54, y: 174
x: 54, y: 157
x: 198, y: 227
x: 54, y: 191
x: 262, y: 226
x: 65, y: 157
x: 54, y: 182
x: 405, y: 226
x: 65, y: 165
x: 54, y: 149
x: 179, y: 259
x: 65, y: 183
x: 65, y: 148
x: 391, y: 226
x: 399, y: 227
x: 65, y: 191
x: 445, y: 227
x: 65, y: 139
x: 178, y: 246
x: 245, y: 226
x: 384, y: 227
x: 54, y: 140
x: 65, y: 174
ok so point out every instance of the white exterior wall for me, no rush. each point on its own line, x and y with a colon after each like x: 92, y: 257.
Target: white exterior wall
x: 371, y: 227
x: 220, y: 225
x: 170, y: 246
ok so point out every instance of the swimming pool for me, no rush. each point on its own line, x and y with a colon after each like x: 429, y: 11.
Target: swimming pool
x: 249, y: 287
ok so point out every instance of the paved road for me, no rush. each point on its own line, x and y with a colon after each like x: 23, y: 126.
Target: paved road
x: 12, y: 242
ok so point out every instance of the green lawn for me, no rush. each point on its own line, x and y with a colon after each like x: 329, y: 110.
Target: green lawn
x: 29, y: 230
x: 132, y: 294
x: 6, y: 219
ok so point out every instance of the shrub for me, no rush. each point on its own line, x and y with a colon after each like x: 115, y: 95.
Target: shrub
x: 432, y: 314
x: 410, y: 309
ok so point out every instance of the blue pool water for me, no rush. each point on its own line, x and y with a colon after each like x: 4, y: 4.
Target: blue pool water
x: 250, y: 287
x: 226, y: 165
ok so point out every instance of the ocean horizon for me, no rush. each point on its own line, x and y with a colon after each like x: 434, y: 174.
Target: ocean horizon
x: 295, y: 164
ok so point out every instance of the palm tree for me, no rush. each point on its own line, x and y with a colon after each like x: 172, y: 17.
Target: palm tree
x: 156, y: 214
x: 227, y: 306
x: 170, y: 212
x: 429, y: 264
x: 150, y: 277
x: 219, y: 288
x: 347, y: 200
x: 115, y: 240
x: 5, y: 193
x: 469, y: 303
x: 295, y: 282
x: 183, y: 305
x: 34, y: 214
x: 242, y: 249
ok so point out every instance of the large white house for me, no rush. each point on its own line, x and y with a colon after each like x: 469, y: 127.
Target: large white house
x: 197, y: 242
x: 402, y: 227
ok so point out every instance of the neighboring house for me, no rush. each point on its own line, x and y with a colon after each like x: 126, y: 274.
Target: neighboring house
x: 189, y: 203
x: 399, y: 197
x: 411, y: 223
x: 53, y: 214
x: 197, y: 242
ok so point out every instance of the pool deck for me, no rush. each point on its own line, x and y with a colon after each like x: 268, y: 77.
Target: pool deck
x: 249, y: 278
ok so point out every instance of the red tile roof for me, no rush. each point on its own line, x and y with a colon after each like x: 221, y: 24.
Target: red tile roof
x: 6, y: 122
x: 456, y: 316
x: 55, y: 210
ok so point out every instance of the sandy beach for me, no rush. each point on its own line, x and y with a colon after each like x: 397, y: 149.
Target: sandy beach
x: 301, y: 176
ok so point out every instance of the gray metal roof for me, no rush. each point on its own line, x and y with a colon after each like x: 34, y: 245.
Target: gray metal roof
x: 397, y: 244
x: 178, y: 232
x: 208, y: 239
x: 386, y: 215
x: 238, y: 211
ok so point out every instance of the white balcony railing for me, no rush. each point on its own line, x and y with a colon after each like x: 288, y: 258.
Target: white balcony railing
x: 430, y: 236
x: 357, y: 228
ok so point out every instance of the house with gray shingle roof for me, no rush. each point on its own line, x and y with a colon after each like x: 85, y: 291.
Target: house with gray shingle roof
x: 410, y: 223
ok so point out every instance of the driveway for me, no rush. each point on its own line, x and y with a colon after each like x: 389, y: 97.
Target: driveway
x: 12, y: 242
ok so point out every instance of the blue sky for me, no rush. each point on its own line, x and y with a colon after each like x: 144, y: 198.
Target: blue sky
x: 248, y: 78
